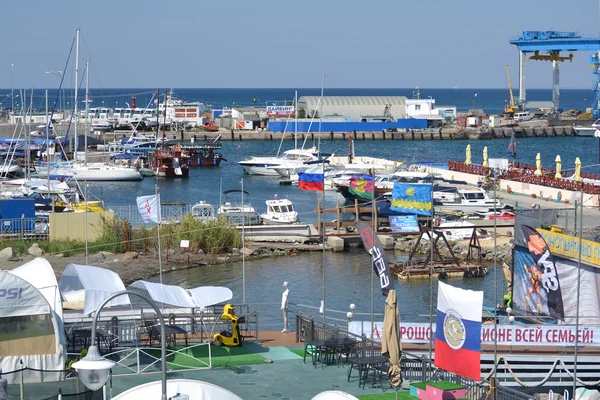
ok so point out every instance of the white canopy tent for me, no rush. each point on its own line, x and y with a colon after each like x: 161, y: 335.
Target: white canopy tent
x: 31, y: 323
x: 85, y: 286
x: 193, y: 389
x: 177, y: 296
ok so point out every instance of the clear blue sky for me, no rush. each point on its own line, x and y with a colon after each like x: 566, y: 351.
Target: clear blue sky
x: 260, y: 43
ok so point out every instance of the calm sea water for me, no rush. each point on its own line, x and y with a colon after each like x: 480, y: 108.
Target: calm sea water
x: 491, y: 100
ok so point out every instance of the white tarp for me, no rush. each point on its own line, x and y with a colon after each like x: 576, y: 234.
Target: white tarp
x: 451, y: 233
x: 334, y: 395
x: 196, y: 390
x: 29, y: 290
x: 166, y: 294
x: 177, y: 296
x: 97, y: 284
x: 205, y: 296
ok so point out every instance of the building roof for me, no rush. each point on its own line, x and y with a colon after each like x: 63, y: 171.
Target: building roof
x: 332, y: 101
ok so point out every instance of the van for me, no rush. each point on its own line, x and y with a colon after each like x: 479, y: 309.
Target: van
x: 523, y: 116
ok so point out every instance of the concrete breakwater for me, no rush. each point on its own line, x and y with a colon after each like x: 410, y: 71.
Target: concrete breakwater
x: 7, y: 131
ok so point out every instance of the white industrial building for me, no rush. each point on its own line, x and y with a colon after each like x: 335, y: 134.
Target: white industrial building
x: 355, y: 108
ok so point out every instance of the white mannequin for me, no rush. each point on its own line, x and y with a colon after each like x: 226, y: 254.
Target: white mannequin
x: 284, y: 306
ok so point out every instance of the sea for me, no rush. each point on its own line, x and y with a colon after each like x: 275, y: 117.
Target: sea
x: 347, y: 277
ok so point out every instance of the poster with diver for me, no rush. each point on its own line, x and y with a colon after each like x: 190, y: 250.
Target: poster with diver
x: 536, y: 286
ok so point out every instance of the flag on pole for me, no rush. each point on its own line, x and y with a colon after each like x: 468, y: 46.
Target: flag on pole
x: 412, y: 198
x: 458, y: 331
x: 380, y: 263
x: 361, y: 187
x: 148, y: 207
x: 312, y: 179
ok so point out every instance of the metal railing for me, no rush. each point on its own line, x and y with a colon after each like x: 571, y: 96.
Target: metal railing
x: 23, y: 228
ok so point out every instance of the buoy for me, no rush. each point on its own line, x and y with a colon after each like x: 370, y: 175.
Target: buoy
x: 508, y: 189
x: 239, y: 146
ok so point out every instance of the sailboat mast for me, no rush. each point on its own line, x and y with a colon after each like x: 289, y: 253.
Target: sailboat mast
x: 296, y: 114
x: 76, y: 84
x: 87, y: 109
x: 164, y: 120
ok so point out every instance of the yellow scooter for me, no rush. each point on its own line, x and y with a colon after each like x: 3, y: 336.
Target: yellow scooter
x: 233, y: 337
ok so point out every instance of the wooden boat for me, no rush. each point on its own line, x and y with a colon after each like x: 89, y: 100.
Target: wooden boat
x: 170, y: 163
x: 420, y: 270
x: 204, y: 155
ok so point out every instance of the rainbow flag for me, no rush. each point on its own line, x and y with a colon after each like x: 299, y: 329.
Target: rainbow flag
x: 362, y: 186
x: 412, y: 199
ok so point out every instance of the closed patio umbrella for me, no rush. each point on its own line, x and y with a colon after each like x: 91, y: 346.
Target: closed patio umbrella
x: 577, y: 176
x: 390, y: 341
x: 558, y: 175
x: 485, y: 158
x: 468, y: 155
x: 538, y: 165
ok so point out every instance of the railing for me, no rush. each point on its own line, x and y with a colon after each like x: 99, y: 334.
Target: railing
x: 414, y: 367
x: 24, y: 228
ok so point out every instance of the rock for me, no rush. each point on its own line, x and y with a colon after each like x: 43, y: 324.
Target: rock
x: 59, y: 255
x: 171, y: 252
x: 35, y: 250
x: 247, y: 251
x: 130, y: 255
x: 7, y: 253
x: 201, y: 252
x: 105, y: 254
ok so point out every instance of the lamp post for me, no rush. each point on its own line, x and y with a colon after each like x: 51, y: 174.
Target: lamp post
x: 60, y: 75
x: 94, y: 369
x: 350, y: 314
x: 473, y: 109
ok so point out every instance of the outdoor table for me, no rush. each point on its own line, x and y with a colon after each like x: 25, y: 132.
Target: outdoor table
x: 84, y: 336
x: 170, y: 330
x: 364, y: 364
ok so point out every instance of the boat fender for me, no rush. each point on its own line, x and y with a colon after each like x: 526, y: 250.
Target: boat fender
x: 468, y: 273
x: 559, y: 196
x: 508, y: 189
x: 443, y: 276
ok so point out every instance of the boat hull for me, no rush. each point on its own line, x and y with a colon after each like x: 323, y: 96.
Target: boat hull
x: 259, y: 170
x: 163, y: 172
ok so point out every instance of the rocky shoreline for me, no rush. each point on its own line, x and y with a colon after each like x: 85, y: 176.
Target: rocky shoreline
x: 134, y: 266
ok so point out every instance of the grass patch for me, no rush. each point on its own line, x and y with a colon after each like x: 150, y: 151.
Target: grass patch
x: 300, y: 352
x: 391, y: 395
x: 221, y: 357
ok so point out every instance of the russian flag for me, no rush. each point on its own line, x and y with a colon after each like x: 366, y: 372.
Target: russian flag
x: 458, y: 331
x: 311, y: 179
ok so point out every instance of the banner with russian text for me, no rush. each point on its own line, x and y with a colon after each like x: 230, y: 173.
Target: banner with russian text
x: 508, y: 335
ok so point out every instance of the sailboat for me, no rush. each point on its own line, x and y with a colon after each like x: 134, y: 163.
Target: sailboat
x: 97, y: 171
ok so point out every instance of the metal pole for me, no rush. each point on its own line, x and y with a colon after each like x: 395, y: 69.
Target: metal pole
x: 431, y: 273
x: 47, y: 150
x: 321, y: 115
x: 372, y: 256
x: 158, y: 234
x: 495, y: 292
x: 163, y: 342
x: 578, y: 295
x: 76, y: 119
x: 12, y: 91
x: 243, y: 248
x: 323, y: 236
x: 86, y: 222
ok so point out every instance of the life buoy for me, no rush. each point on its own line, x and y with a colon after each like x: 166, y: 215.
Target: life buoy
x: 508, y: 189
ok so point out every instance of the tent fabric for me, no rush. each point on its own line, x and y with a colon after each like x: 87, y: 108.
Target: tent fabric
x: 177, y: 296
x: 205, y: 296
x: 97, y: 283
x: 334, y: 395
x: 166, y: 294
x: 193, y: 389
x: 39, y: 273
x: 390, y: 342
x: 29, y: 290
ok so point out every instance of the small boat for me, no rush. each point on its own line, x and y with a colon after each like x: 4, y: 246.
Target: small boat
x: 290, y: 159
x: 170, y: 163
x: 587, y: 131
x: 279, y: 212
x: 238, y: 212
x: 203, y: 211
x: 204, y: 154
x: 468, y: 201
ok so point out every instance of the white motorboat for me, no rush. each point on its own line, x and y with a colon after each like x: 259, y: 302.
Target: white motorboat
x: 238, y: 212
x: 279, y: 212
x: 203, y: 211
x: 588, y: 131
x: 290, y: 159
x: 468, y: 201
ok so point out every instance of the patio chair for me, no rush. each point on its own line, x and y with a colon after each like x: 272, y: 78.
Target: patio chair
x: 151, y: 330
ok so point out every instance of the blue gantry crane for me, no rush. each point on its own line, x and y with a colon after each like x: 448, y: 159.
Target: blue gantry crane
x: 547, y: 46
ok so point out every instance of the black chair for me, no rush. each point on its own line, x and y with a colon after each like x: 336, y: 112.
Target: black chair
x: 347, y: 348
x: 151, y: 330
x: 327, y: 353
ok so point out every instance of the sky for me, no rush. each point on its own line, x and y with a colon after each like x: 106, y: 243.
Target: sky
x: 288, y: 44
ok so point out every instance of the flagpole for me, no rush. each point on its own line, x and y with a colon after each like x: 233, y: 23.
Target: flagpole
x: 495, y: 291
x: 431, y: 272
x: 372, y: 252
x: 86, y: 222
x: 159, y: 223
x: 578, y: 295
x: 323, y: 230
x: 243, y: 246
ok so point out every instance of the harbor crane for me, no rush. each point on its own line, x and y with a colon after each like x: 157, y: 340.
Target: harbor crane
x: 510, y: 109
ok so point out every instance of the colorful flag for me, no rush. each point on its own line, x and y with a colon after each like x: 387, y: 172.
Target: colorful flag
x: 148, y: 207
x: 412, y: 198
x: 536, y: 288
x: 380, y: 264
x: 312, y: 179
x: 512, y: 146
x: 458, y: 331
x: 361, y: 186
